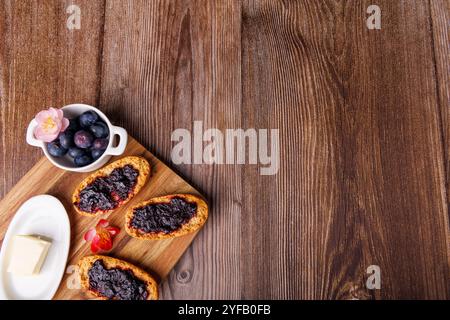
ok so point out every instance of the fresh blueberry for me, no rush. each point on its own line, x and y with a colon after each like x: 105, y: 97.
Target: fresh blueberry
x: 99, y: 130
x: 55, y: 149
x: 73, y: 125
x: 76, y: 152
x: 96, y: 153
x: 82, y: 160
x: 100, y: 144
x: 83, y: 139
x: 66, y: 139
x: 87, y: 119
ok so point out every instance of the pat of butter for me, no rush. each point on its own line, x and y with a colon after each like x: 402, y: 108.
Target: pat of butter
x: 28, y: 255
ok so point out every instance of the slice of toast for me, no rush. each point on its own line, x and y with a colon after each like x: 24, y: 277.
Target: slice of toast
x: 193, y: 224
x: 137, y: 163
x: 86, y: 263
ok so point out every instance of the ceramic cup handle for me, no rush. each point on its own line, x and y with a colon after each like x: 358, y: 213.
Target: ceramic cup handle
x: 123, y: 139
x: 31, y: 140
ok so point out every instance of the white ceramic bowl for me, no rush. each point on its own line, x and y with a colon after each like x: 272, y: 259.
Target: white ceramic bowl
x: 66, y: 163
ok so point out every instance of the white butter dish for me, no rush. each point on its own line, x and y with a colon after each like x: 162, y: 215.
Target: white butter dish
x: 42, y: 215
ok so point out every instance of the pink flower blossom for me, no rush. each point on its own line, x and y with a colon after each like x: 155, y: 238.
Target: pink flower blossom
x: 101, y: 237
x: 50, y: 123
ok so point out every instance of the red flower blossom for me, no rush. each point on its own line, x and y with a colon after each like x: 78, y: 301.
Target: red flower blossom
x: 101, y: 236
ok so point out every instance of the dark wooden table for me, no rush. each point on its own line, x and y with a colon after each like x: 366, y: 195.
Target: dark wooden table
x: 364, y: 120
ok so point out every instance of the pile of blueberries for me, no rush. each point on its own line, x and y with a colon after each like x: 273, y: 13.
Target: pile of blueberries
x: 84, y: 140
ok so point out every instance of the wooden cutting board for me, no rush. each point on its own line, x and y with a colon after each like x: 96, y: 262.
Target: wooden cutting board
x: 157, y: 257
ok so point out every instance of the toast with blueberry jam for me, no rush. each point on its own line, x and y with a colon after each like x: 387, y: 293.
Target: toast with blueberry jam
x: 166, y: 217
x: 109, y: 278
x: 111, y: 187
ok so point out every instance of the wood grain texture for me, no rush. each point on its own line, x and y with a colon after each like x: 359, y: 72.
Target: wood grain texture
x: 363, y: 118
x: 156, y: 257
x: 440, y: 21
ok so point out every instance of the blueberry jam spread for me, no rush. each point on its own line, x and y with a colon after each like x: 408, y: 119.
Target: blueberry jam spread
x: 163, y: 217
x: 106, y: 193
x: 116, y: 283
